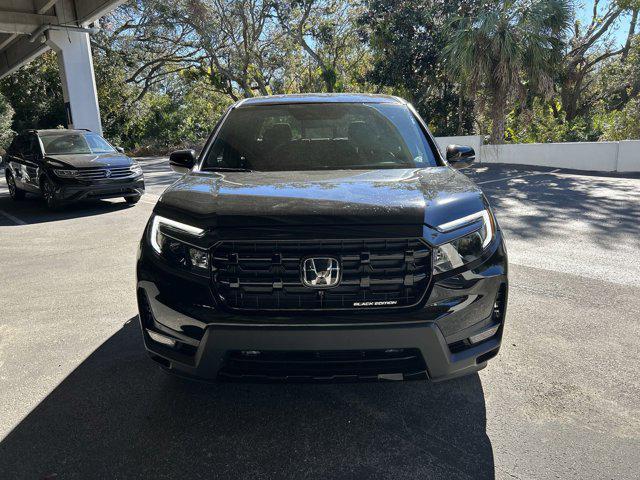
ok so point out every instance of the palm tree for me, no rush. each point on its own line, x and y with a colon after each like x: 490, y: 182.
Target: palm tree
x: 507, y: 49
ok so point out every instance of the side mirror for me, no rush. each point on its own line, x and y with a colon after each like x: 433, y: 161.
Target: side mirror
x: 120, y: 149
x: 182, y: 161
x: 460, y: 156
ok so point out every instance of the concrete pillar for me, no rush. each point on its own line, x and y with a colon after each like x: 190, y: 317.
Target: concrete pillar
x: 78, y: 82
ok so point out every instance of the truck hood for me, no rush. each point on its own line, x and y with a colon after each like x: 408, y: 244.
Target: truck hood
x: 429, y: 196
x: 89, y: 160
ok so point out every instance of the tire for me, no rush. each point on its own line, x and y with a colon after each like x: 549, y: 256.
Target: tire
x: 47, y: 188
x: 14, y: 192
x: 132, y: 200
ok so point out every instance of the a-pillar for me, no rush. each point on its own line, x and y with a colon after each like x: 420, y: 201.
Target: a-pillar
x: 78, y: 82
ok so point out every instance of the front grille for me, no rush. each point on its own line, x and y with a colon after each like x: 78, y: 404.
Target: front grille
x: 376, y: 274
x: 326, y: 365
x: 101, y: 173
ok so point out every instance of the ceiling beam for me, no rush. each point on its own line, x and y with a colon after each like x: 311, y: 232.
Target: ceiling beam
x: 25, y: 6
x: 21, y: 51
x: 25, y: 23
x: 90, y: 10
x: 42, y: 6
x: 6, y: 39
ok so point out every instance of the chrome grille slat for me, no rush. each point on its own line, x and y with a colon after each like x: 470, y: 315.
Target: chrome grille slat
x: 100, y: 173
x: 265, y: 275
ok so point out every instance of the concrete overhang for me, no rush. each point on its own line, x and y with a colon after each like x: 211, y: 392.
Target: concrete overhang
x: 20, y: 19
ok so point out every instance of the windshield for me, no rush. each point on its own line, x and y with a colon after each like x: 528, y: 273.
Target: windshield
x: 320, y: 137
x: 68, y: 143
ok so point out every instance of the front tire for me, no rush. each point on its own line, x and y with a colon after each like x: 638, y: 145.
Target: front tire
x: 48, y: 191
x: 132, y: 200
x: 14, y: 192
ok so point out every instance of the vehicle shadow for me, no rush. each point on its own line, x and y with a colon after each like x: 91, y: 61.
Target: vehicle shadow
x: 32, y: 210
x: 118, y: 416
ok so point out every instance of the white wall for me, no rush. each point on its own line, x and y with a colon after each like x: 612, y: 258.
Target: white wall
x: 629, y: 156
x: 474, y: 141
x: 593, y: 156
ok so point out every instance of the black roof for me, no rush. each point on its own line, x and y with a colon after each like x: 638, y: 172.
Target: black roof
x: 320, y: 98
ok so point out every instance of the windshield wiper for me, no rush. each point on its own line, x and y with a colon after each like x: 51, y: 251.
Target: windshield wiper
x: 226, y: 169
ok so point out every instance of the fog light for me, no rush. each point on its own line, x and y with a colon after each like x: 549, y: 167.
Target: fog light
x: 488, y: 333
x: 199, y: 258
x: 163, y: 339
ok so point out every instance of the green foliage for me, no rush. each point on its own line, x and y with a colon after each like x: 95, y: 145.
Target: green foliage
x: 502, y: 47
x: 6, y: 118
x: 407, y: 38
x: 181, y: 118
x: 35, y: 93
x: 622, y: 124
x: 545, y: 122
x: 165, y: 72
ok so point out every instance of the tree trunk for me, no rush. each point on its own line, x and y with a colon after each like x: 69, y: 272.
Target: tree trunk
x: 569, y: 96
x: 632, y: 30
x: 460, y: 113
x: 498, y: 112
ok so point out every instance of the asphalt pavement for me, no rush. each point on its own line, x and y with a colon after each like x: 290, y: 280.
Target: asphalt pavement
x: 80, y: 399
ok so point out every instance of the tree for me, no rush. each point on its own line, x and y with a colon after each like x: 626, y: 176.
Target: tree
x: 326, y: 30
x: 35, y: 94
x: 236, y: 45
x: 587, y: 50
x: 506, y: 50
x: 6, y: 117
x: 407, y: 38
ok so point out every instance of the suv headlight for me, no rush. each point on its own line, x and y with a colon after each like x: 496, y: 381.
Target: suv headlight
x: 467, y: 248
x: 174, y: 251
x: 136, y: 169
x: 65, y: 173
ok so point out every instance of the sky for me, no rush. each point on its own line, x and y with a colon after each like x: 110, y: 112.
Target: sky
x: 585, y: 9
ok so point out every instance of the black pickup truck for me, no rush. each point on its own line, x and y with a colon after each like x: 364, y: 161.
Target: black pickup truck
x: 322, y: 237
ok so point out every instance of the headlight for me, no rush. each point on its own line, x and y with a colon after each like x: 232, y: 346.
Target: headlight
x: 174, y: 251
x: 467, y: 248
x: 137, y: 169
x: 65, y: 173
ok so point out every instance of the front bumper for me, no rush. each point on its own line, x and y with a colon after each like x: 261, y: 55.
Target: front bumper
x: 71, y: 192
x: 210, y: 343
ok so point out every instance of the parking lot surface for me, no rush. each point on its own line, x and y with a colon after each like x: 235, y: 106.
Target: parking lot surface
x: 80, y: 399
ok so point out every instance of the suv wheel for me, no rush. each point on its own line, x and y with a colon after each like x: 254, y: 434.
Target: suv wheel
x: 132, y: 200
x: 14, y: 191
x: 48, y: 190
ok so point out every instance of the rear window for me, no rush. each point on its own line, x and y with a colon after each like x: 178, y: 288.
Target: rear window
x: 320, y: 137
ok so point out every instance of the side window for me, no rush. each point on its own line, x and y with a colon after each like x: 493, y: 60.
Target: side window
x: 32, y: 146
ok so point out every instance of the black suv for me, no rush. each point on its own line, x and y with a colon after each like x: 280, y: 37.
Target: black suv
x: 69, y: 165
x: 322, y: 237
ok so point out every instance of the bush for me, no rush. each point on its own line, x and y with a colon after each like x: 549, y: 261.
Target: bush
x: 6, y: 119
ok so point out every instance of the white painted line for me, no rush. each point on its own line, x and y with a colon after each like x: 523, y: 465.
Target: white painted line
x: 517, y: 176
x: 15, y: 220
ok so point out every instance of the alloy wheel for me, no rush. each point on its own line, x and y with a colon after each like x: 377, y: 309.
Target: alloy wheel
x: 48, y: 192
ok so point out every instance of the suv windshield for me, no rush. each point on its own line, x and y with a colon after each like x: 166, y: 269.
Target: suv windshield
x: 321, y: 136
x: 69, y: 143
